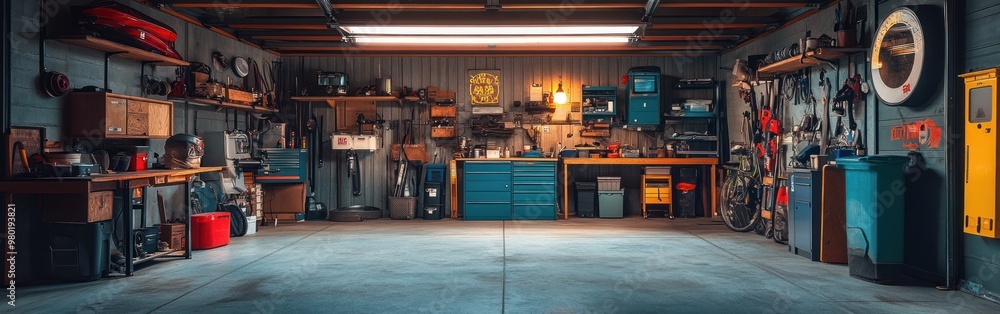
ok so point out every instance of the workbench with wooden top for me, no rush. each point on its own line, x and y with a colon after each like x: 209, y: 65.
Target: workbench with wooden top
x: 91, y: 199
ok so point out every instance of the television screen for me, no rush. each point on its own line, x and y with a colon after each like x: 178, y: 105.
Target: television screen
x: 644, y: 84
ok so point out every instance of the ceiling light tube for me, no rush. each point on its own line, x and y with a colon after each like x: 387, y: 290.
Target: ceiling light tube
x: 437, y: 40
x: 492, y: 30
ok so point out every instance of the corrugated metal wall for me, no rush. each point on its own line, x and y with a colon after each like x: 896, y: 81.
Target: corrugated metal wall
x: 517, y: 74
x: 980, y: 49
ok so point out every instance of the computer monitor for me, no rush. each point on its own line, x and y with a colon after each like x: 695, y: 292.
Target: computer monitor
x: 644, y: 84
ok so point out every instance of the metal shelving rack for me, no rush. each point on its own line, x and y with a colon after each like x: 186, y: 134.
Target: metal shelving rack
x: 716, y: 122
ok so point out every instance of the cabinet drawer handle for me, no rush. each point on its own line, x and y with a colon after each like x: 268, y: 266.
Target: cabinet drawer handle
x: 115, y: 102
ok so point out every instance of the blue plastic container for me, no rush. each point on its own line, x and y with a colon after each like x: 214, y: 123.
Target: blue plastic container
x: 436, y: 173
x: 875, y: 191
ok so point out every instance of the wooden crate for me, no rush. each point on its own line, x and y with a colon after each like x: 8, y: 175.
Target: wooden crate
x: 444, y: 111
x: 79, y: 208
x: 238, y: 96
x: 443, y: 132
x: 173, y: 234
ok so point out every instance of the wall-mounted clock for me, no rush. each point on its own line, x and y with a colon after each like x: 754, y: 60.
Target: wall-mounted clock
x: 906, y: 56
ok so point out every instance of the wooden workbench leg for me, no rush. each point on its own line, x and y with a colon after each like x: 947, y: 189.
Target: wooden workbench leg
x: 565, y: 183
x: 715, y: 193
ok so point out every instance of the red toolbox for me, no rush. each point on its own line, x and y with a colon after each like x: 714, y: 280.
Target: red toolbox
x: 209, y: 230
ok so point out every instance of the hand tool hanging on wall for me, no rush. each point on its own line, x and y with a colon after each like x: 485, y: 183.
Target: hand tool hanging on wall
x: 354, y: 172
x: 844, y: 106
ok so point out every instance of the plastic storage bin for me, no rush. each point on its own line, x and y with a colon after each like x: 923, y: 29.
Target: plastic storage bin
x: 79, y: 252
x: 610, y: 204
x: 209, y: 230
x: 586, y: 196
x: 874, y: 200
x: 609, y: 183
x: 436, y: 173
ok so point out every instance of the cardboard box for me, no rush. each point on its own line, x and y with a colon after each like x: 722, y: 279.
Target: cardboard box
x: 284, y: 198
x: 79, y: 208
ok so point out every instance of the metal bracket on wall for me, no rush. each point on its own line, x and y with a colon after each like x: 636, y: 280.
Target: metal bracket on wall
x: 142, y: 77
x: 107, y: 60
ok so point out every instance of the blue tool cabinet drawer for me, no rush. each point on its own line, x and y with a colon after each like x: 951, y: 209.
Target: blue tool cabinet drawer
x: 533, y: 165
x: 534, y: 198
x: 535, y: 188
x: 498, y: 185
x: 487, y: 167
x: 487, y: 197
x: 474, y: 211
x: 534, y: 212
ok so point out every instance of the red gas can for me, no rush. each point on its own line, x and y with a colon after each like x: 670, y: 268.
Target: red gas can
x: 209, y: 230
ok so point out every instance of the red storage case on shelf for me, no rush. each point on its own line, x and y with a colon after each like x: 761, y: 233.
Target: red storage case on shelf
x: 209, y: 230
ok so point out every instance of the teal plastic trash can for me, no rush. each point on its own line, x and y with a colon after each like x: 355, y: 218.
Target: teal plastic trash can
x: 875, y: 190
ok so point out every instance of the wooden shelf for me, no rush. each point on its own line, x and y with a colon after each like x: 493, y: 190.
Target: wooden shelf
x: 349, y: 98
x: 811, y: 58
x: 689, y: 117
x: 222, y: 104
x: 124, y: 51
x: 332, y: 100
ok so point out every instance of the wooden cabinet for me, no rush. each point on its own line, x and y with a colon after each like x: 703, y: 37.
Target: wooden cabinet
x: 161, y: 122
x: 107, y: 115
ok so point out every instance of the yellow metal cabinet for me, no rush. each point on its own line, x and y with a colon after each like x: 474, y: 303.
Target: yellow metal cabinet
x: 656, y: 190
x: 980, y: 175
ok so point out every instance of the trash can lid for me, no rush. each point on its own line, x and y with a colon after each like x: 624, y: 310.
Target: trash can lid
x: 867, y: 162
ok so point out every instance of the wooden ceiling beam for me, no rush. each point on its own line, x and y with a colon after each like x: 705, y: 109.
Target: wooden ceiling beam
x: 297, y: 37
x: 730, y: 4
x: 279, y: 26
x: 702, y: 26
x: 696, y: 38
x: 242, y: 4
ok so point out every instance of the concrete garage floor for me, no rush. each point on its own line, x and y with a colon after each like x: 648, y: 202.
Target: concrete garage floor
x: 567, y: 266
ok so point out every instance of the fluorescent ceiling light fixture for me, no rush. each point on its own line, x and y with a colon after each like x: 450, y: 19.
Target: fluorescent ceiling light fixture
x: 437, y: 40
x: 492, y: 30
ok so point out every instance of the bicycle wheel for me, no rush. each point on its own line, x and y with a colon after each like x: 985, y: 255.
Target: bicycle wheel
x: 739, y: 211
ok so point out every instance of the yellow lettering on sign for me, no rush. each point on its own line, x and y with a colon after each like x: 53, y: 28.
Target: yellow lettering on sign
x: 484, y: 88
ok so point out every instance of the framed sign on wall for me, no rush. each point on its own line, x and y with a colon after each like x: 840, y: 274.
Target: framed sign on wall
x: 484, y: 87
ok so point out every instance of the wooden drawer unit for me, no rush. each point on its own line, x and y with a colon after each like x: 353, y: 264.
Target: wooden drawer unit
x: 106, y: 115
x: 93, y: 207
